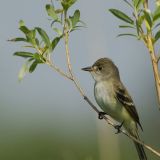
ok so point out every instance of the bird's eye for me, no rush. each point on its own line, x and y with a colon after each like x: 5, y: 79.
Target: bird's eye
x: 99, y: 68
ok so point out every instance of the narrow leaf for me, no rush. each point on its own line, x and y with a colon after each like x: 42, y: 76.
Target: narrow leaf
x: 58, y: 31
x: 141, y: 20
x: 21, y: 23
x: 33, y: 66
x: 55, y: 42
x: 157, y: 25
x: 126, y: 26
x: 128, y: 3
x: 119, y: 14
x: 23, y: 54
x: 18, y: 39
x: 157, y: 36
x: 44, y: 36
x: 23, y: 71
x: 148, y: 18
x: 156, y: 14
x: 75, y: 18
x: 137, y: 27
x: 59, y: 11
x: 126, y: 34
x: 67, y: 4
x: 51, y: 11
x: 137, y: 3
x: 24, y: 29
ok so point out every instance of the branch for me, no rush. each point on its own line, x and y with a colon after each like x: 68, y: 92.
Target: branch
x: 146, y: 4
x: 57, y: 69
x: 154, y: 59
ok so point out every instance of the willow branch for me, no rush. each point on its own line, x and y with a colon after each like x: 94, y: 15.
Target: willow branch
x: 154, y: 59
x: 108, y: 120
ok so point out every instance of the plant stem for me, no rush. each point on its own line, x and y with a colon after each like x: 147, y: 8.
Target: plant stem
x: 154, y: 59
x: 57, y: 69
x: 66, y: 38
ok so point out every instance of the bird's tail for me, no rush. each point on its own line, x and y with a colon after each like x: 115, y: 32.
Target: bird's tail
x: 139, y: 148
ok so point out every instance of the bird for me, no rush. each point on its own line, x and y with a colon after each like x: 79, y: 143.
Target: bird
x: 114, y: 99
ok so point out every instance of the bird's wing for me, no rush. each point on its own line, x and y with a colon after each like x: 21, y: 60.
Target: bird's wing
x: 125, y: 99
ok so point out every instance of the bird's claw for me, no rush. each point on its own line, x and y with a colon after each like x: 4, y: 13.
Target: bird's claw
x: 101, y: 115
x: 118, y: 127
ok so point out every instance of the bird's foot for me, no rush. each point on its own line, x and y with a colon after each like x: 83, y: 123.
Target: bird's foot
x: 118, y: 127
x: 101, y: 115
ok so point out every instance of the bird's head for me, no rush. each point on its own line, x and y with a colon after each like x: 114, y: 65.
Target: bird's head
x: 103, y: 69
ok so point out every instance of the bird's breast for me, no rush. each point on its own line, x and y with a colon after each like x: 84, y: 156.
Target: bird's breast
x: 104, y: 96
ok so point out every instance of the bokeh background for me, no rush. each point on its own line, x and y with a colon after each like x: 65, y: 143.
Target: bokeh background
x: 44, y: 117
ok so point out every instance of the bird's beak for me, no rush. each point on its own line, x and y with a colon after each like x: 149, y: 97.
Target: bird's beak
x: 89, y: 69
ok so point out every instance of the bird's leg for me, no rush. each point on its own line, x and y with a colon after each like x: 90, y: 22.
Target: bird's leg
x: 101, y: 114
x: 118, y: 127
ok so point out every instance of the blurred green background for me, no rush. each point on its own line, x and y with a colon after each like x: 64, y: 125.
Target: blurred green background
x: 44, y: 117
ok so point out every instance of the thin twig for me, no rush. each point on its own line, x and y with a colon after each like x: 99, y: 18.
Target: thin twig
x: 66, y: 38
x: 57, y: 69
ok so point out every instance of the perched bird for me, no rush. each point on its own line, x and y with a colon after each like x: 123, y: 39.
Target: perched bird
x: 114, y: 99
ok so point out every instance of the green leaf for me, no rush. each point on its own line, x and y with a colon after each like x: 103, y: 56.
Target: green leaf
x: 33, y: 66
x: 39, y: 58
x: 119, y: 14
x: 59, y: 11
x: 21, y: 23
x: 157, y: 25
x: 44, y: 36
x: 58, y: 31
x: 126, y: 34
x: 157, y: 36
x: 23, y: 54
x: 23, y: 71
x: 126, y: 26
x: 51, y: 11
x: 32, y: 34
x: 75, y: 18
x: 55, y: 42
x: 24, y: 29
x: 37, y: 41
x: 156, y: 14
x: 148, y: 19
x: 18, y: 39
x: 128, y: 3
x: 66, y: 4
x: 141, y: 20
x: 137, y: 3
x: 137, y: 27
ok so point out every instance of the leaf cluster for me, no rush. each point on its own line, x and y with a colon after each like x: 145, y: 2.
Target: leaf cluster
x: 38, y: 39
x: 142, y: 21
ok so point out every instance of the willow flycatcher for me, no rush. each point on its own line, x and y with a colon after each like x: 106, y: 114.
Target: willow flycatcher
x: 114, y: 99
